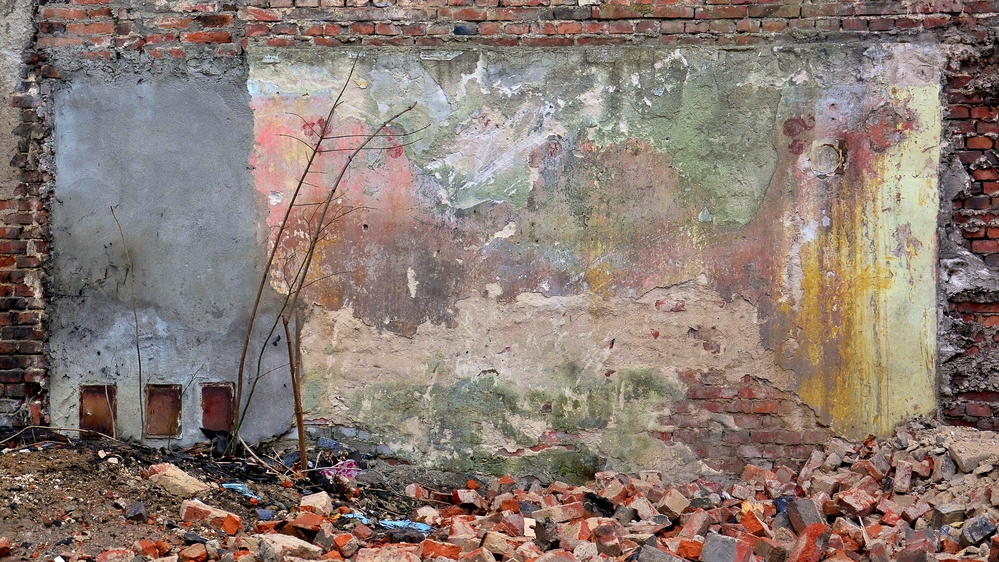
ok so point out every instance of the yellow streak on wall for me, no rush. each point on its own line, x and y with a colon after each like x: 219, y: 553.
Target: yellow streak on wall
x: 867, y: 317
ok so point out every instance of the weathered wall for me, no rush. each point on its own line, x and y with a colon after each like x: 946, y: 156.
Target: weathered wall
x: 532, y: 241
x: 169, y: 154
x: 766, y: 347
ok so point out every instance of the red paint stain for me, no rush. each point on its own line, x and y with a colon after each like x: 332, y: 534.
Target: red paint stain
x: 797, y: 125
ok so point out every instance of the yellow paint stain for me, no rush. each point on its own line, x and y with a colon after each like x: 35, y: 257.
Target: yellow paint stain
x: 865, y: 324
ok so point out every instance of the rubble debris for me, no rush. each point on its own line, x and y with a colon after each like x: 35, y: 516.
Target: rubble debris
x: 927, y: 493
x: 174, y: 480
x: 924, y: 494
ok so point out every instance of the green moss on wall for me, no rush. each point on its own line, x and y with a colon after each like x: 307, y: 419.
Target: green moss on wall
x: 453, y: 417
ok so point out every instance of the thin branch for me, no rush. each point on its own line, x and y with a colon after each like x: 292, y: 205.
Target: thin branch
x: 50, y: 428
x: 270, y: 258
x: 291, y: 299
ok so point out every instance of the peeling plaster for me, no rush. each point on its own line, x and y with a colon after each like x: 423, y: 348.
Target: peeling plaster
x: 754, y: 195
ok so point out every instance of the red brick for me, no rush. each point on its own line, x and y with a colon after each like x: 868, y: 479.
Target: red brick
x: 612, y: 11
x: 958, y: 112
x: 854, y: 24
x: 64, y: 13
x: 490, y: 28
x: 811, y: 544
x: 673, y: 12
x: 619, y: 27
x: 172, y: 22
x: 979, y: 410
x: 984, y: 112
x: 96, y: 28
x: 985, y: 246
x: 362, y: 28
x: 214, y: 20
x: 430, y: 549
x: 978, y: 143
x: 206, y: 37
x: 721, y: 12
x: 774, y: 26
x: 259, y: 29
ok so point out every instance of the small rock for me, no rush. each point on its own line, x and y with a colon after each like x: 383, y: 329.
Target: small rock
x: 193, y: 553
x: 174, y: 480
x: 136, y: 512
x: 320, y: 503
x: 275, y: 548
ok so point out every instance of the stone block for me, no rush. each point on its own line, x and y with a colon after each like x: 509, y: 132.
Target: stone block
x: 320, y: 503
x: 647, y: 553
x: 673, y: 503
x: 277, y: 547
x: 947, y: 513
x: 802, y: 513
x: 771, y: 550
x: 174, y: 480
x: 976, y: 530
x: 719, y: 548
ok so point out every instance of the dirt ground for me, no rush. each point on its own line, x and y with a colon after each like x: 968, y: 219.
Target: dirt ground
x: 70, y: 498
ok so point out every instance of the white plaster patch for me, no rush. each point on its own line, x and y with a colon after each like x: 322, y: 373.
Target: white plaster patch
x: 411, y: 282
x: 494, y: 290
x: 808, y: 231
x: 275, y: 197
x: 509, y: 230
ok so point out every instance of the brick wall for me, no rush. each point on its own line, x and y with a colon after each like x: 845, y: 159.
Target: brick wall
x: 23, y: 248
x: 970, y: 367
x: 769, y: 427
x: 126, y: 33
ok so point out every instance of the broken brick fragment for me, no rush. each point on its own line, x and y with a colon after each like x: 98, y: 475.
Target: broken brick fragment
x: 431, y: 549
x: 719, y: 548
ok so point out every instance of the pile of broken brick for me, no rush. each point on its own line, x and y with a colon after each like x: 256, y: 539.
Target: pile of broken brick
x: 926, y: 493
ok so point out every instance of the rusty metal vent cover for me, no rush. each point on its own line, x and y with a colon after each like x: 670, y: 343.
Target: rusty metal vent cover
x: 217, y: 406
x: 163, y: 410
x: 98, y: 410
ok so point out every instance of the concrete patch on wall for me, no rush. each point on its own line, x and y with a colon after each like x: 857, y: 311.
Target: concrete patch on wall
x: 169, y: 154
x: 564, y: 232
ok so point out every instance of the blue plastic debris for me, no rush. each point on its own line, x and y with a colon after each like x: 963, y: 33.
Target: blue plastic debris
x: 357, y: 516
x: 241, y: 488
x: 421, y: 527
x: 265, y: 514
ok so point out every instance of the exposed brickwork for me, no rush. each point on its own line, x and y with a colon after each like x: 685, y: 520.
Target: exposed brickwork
x: 115, y: 30
x: 23, y: 251
x: 970, y: 378
x: 730, y: 425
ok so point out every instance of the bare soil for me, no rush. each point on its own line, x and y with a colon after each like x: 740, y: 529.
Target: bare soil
x: 69, y: 498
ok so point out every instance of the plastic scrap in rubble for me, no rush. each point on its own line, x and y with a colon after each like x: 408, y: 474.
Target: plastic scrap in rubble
x: 345, y: 469
x: 421, y: 527
x: 359, y: 517
x: 242, y: 489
